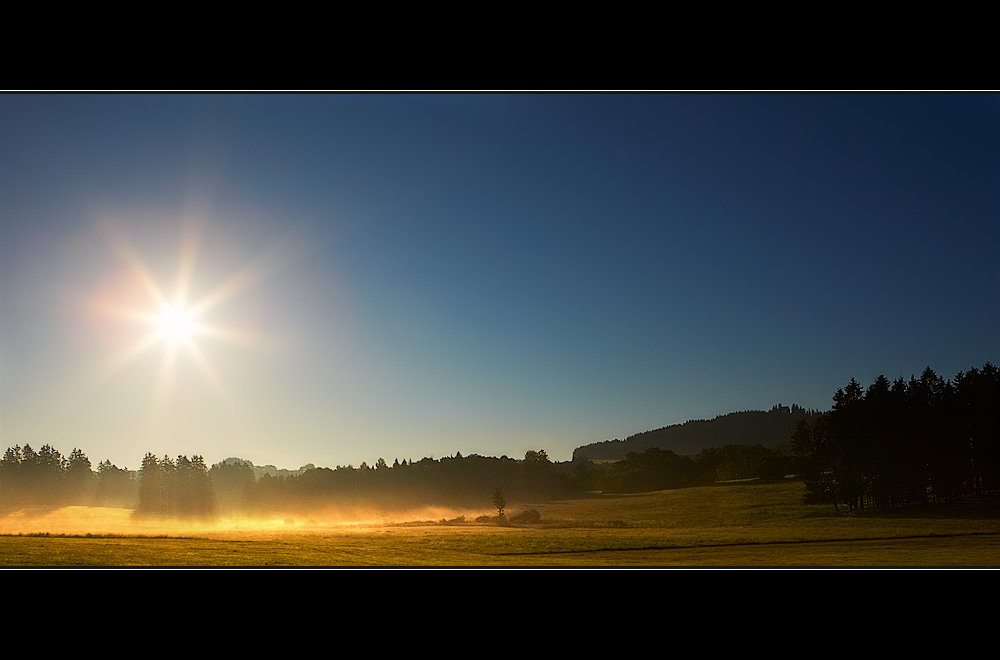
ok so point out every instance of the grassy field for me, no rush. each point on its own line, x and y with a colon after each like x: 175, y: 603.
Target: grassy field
x: 752, y: 525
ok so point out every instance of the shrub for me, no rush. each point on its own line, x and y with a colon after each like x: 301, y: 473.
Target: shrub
x: 528, y: 516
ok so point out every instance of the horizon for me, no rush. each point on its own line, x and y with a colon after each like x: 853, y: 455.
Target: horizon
x: 370, y: 463
x: 332, y: 279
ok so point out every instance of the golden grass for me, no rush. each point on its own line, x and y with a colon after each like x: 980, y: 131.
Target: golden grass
x: 756, y: 525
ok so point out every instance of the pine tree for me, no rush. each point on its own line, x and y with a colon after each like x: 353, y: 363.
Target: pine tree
x: 152, y: 495
x: 499, y: 502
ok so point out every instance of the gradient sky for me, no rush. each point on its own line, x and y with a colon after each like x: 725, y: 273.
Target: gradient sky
x: 409, y: 276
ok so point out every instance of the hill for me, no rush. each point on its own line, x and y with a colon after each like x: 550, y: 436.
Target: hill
x: 270, y: 470
x: 751, y: 427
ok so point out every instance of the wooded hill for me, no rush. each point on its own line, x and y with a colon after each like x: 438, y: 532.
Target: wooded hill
x: 751, y: 427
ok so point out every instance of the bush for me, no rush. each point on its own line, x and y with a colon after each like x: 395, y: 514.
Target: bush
x: 528, y: 516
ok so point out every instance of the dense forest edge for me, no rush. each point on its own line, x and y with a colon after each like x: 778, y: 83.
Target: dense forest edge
x: 891, y: 445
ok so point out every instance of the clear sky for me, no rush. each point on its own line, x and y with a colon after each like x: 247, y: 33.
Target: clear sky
x: 402, y: 276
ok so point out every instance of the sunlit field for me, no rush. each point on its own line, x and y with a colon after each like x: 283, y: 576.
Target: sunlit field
x: 752, y: 525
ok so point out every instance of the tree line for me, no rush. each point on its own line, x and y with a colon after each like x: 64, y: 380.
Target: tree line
x: 460, y: 481
x: 890, y: 445
x: 46, y: 476
x: 179, y: 487
x: 663, y: 469
x: 186, y: 487
x: 469, y: 481
x: 905, y: 442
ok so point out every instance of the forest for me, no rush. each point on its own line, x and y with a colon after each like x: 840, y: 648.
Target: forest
x: 906, y: 442
x: 894, y: 444
x: 184, y: 487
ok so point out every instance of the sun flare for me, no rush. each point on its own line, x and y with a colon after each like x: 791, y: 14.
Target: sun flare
x: 178, y: 315
x: 176, y: 324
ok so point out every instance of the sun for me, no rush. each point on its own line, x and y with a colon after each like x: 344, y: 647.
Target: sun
x: 176, y: 324
x: 141, y: 310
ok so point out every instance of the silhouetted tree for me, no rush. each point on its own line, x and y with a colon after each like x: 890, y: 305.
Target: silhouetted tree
x: 202, y: 494
x: 653, y: 469
x: 498, y: 501
x: 232, y: 484
x: 115, y: 486
x: 79, y: 476
x: 10, y: 475
x: 535, y: 461
x: 815, y: 456
x: 904, y: 443
x: 152, y: 486
x: 978, y: 426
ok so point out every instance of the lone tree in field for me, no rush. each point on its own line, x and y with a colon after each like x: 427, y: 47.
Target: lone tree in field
x: 498, y: 501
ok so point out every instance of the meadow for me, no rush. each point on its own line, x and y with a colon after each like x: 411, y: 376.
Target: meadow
x: 742, y: 525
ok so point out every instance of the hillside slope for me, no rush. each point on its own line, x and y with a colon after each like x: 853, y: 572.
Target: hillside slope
x: 752, y: 427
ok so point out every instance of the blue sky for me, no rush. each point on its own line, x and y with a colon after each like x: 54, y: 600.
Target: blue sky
x: 402, y: 276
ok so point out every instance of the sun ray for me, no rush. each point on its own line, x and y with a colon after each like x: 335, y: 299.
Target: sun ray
x: 209, y: 373
x: 135, y: 266
x: 224, y: 291
x: 245, y: 277
x: 190, y: 244
x: 236, y: 336
x: 161, y: 390
x: 125, y: 356
x: 173, y: 318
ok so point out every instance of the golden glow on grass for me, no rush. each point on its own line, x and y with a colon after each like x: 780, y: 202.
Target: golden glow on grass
x: 736, y: 525
x: 83, y: 520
